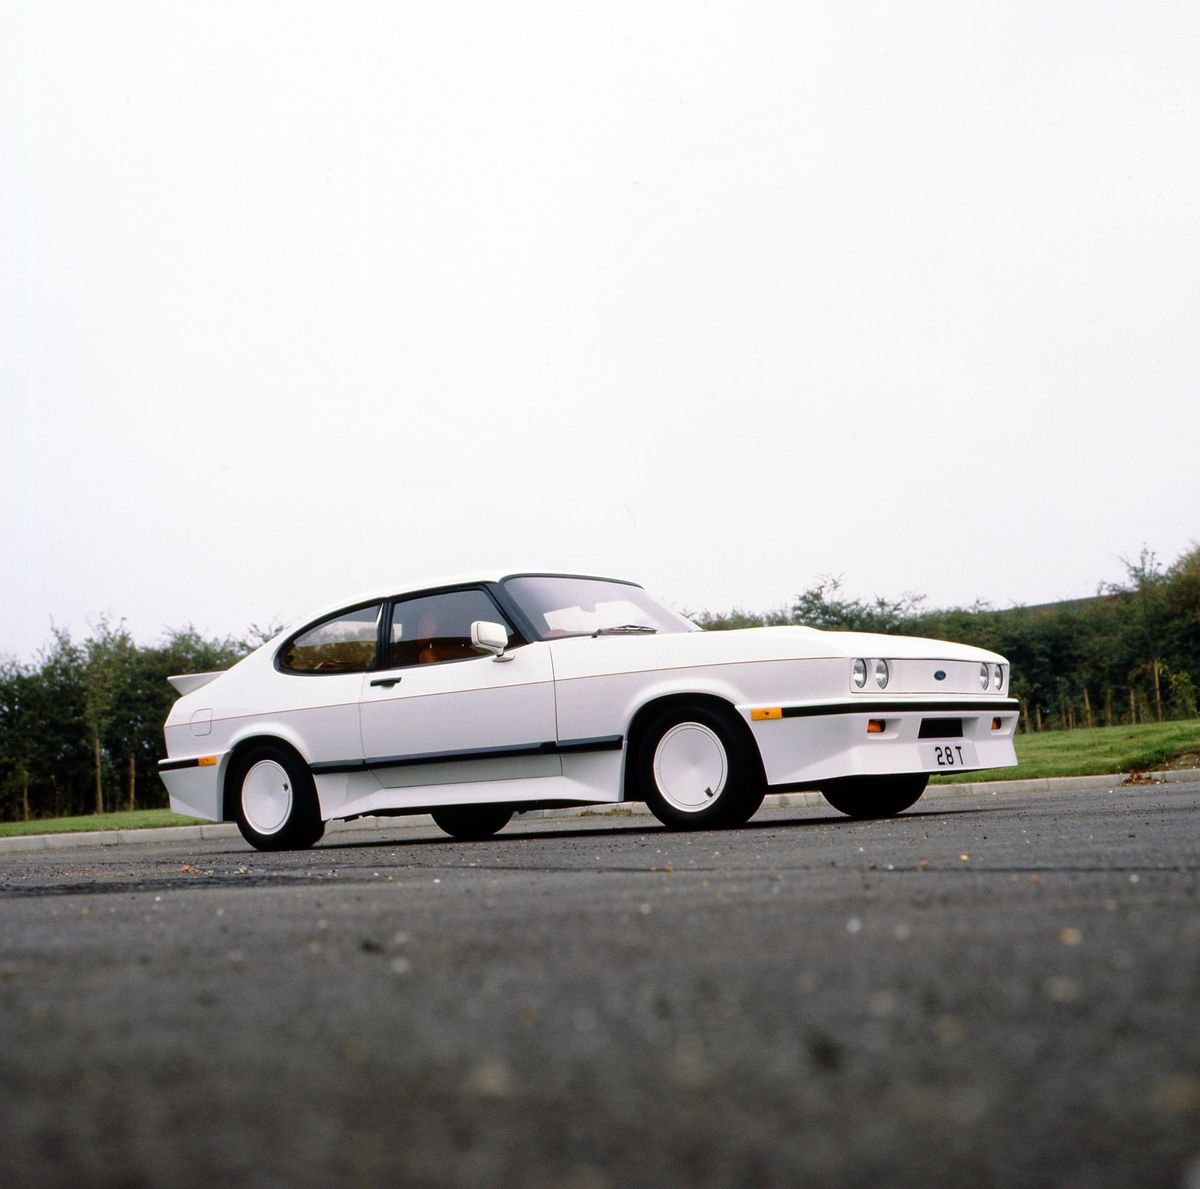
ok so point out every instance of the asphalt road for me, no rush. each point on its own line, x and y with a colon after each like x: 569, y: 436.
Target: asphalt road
x: 999, y: 990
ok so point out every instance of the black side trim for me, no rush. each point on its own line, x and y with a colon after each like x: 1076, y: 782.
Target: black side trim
x: 566, y: 747
x: 172, y: 765
x: 892, y: 707
x: 602, y: 743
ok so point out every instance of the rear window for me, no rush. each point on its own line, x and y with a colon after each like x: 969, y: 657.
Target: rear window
x: 344, y: 644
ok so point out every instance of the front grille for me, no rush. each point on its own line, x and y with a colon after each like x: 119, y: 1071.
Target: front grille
x: 940, y: 728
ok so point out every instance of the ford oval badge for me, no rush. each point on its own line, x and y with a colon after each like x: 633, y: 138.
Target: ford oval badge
x: 940, y: 675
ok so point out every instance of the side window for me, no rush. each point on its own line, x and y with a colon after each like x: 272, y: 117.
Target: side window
x: 438, y: 627
x: 344, y: 644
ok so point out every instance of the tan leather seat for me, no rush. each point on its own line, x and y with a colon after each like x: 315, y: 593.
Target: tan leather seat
x: 445, y: 649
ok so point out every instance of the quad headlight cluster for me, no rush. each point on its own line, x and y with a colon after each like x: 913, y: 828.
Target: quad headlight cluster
x: 862, y: 668
x: 991, y: 677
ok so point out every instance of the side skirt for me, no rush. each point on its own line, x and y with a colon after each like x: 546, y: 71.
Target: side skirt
x: 587, y: 778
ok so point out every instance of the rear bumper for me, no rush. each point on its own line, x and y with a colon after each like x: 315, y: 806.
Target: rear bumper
x: 194, y: 787
x: 805, y: 743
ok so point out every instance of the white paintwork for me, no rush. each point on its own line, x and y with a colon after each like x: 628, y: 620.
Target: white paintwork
x: 460, y: 705
x: 187, y: 683
x: 569, y: 690
x: 489, y: 637
x: 809, y: 750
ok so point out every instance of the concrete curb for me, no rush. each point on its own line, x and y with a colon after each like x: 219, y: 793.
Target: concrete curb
x: 422, y: 821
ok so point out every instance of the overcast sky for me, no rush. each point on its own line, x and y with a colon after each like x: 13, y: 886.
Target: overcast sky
x: 302, y: 300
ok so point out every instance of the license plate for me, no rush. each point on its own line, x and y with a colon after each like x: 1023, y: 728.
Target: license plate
x: 960, y: 754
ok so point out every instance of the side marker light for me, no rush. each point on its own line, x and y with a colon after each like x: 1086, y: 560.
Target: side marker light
x: 995, y: 724
x: 206, y: 761
x: 770, y: 712
x: 876, y: 726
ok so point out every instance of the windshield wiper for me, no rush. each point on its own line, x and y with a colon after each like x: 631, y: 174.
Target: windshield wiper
x: 627, y: 629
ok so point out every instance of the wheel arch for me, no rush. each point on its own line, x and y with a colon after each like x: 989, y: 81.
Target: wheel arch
x: 648, y: 711
x: 233, y: 762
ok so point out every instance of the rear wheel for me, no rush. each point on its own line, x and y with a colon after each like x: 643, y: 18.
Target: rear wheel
x: 275, y: 800
x: 697, y: 769
x: 875, y: 796
x: 473, y: 822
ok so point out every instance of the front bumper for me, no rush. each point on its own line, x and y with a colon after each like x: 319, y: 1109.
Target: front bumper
x: 804, y: 743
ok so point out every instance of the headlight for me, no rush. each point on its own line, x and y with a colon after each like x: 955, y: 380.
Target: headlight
x: 997, y: 676
x: 858, y: 674
x: 881, y: 674
x: 985, y: 676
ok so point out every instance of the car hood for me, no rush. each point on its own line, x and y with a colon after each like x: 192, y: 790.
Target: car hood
x: 581, y: 655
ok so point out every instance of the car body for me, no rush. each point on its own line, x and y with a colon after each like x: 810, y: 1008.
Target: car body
x: 479, y: 696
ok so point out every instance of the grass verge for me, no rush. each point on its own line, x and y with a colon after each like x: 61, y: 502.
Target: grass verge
x: 136, y: 819
x: 1097, y: 751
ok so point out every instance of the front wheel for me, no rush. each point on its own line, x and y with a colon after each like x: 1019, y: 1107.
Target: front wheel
x: 875, y: 796
x: 472, y: 823
x: 275, y: 800
x: 698, y: 769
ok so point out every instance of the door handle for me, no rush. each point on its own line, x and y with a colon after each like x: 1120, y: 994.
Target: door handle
x: 386, y: 682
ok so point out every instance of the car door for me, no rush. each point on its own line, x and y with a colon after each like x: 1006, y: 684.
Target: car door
x: 441, y: 714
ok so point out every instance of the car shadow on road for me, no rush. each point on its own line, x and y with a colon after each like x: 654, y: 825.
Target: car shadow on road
x: 531, y: 833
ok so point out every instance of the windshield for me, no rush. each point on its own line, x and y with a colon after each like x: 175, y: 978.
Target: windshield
x: 583, y: 606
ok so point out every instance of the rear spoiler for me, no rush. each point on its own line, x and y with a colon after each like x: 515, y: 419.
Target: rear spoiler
x: 185, y: 683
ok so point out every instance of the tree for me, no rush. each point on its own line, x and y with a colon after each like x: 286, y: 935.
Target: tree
x: 17, y: 741
x: 87, y: 718
x: 108, y: 663
x: 1181, y: 593
x: 822, y: 606
x: 724, y: 621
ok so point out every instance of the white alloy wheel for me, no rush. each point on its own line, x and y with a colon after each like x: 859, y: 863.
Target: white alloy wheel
x: 690, y: 767
x: 267, y: 797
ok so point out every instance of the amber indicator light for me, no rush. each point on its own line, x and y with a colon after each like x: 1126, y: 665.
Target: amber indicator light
x: 876, y: 726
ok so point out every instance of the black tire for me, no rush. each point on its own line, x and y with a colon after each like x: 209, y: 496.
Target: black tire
x: 275, y: 800
x: 472, y: 823
x: 697, y: 768
x: 867, y: 797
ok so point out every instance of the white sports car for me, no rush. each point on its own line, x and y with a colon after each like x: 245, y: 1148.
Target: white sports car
x: 477, y: 697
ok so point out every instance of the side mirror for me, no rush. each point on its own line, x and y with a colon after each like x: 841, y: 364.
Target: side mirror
x: 490, y: 637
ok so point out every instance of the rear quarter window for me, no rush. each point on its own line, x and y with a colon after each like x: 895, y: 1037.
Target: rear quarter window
x: 345, y: 643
